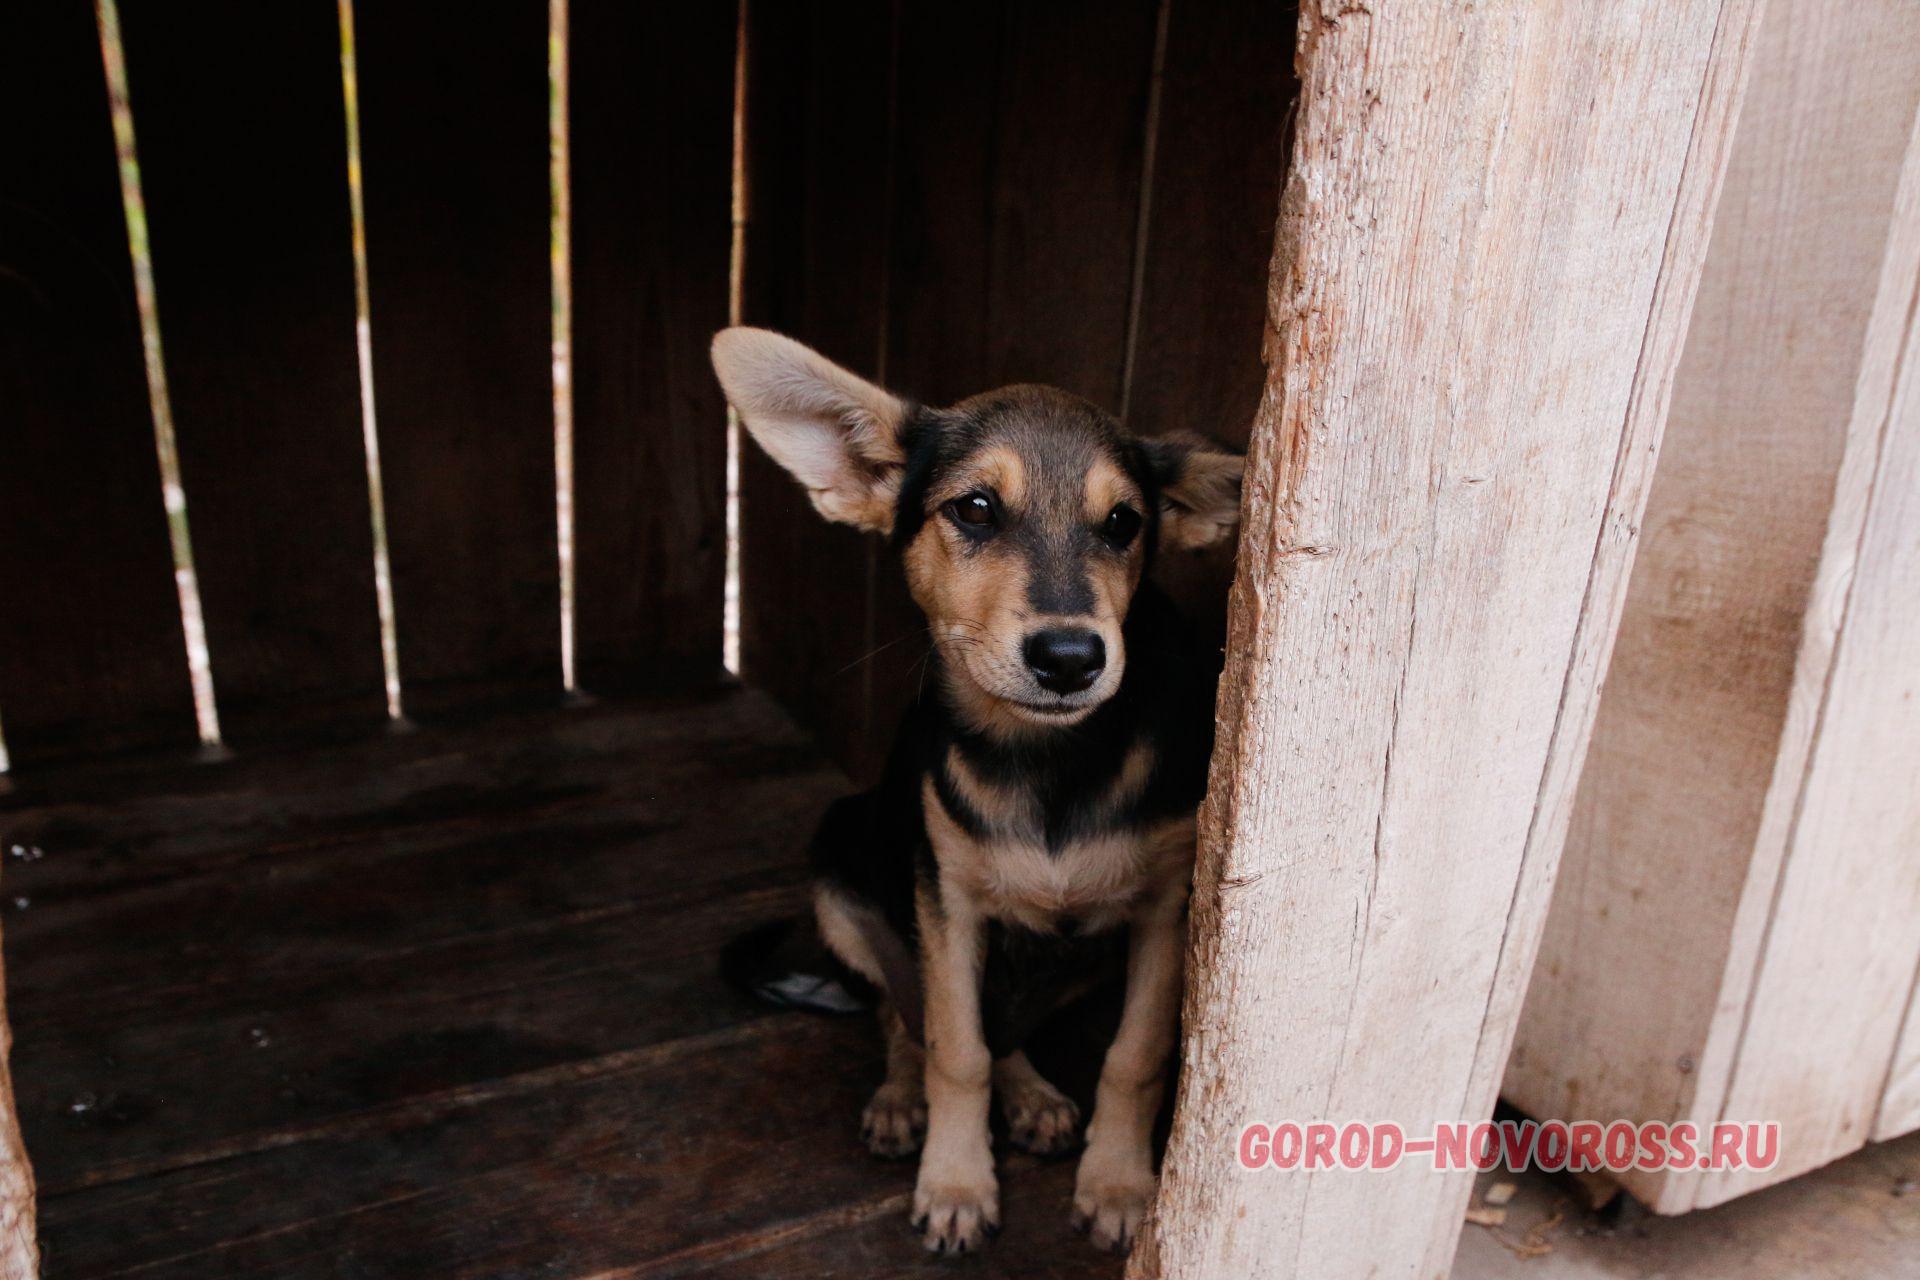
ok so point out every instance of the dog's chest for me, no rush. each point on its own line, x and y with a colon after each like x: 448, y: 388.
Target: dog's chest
x: 1026, y: 866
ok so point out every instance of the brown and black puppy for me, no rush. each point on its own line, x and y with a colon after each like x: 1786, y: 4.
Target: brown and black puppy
x: 1036, y: 817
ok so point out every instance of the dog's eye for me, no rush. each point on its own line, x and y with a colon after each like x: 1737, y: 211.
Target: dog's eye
x: 974, y: 509
x: 1122, y: 526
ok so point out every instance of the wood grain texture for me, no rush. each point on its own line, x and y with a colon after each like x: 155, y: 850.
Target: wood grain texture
x: 1489, y: 238
x: 651, y: 139
x: 1218, y: 151
x: 1843, y: 944
x: 19, y: 1237
x: 94, y: 657
x: 1227, y: 86
x: 1900, y: 1101
x: 453, y: 121
x: 1686, y: 810
x: 819, y: 131
x: 243, y: 159
x: 447, y: 1003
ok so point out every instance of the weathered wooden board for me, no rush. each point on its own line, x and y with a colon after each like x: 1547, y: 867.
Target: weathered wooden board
x: 1227, y: 85
x: 1843, y: 943
x: 94, y: 657
x: 448, y: 1003
x: 453, y: 132
x: 243, y: 159
x: 1900, y: 1104
x: 19, y: 1236
x: 819, y: 147
x: 1217, y: 156
x: 1687, y: 810
x: 1490, y: 235
x: 651, y: 127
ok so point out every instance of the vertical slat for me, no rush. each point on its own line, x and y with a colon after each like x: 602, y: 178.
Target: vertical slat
x: 244, y: 165
x: 818, y: 122
x: 93, y: 655
x: 453, y: 112
x: 1069, y: 130
x: 1018, y: 196
x: 19, y: 1242
x: 1226, y: 86
x: 1824, y: 1020
x: 651, y: 107
x: 1438, y: 524
x: 1900, y: 1102
x: 1700, y: 748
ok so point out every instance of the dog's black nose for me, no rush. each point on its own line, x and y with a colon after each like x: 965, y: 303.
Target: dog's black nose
x: 1065, y: 660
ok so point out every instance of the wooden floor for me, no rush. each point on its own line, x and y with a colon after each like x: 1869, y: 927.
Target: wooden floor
x: 445, y: 1004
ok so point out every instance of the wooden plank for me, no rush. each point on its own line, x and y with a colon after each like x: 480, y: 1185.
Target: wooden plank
x: 651, y: 115
x: 1685, y: 811
x: 243, y: 160
x: 19, y: 1237
x: 94, y: 657
x: 1438, y: 525
x: 818, y: 163
x: 453, y: 117
x: 1218, y: 153
x: 309, y: 963
x: 1900, y: 1101
x: 678, y: 1159
x: 859, y: 1241
x: 1068, y: 135
x: 1842, y: 946
x: 538, y: 1068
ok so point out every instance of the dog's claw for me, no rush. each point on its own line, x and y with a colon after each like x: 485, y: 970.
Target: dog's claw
x: 1109, y: 1205
x: 956, y: 1218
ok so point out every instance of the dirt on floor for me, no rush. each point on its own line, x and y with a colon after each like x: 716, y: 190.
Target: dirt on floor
x: 1856, y: 1219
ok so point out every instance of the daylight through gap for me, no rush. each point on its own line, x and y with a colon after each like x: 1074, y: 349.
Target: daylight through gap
x: 363, y: 341
x: 192, y: 621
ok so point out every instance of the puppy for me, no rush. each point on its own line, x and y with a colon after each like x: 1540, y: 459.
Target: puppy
x: 1035, y: 820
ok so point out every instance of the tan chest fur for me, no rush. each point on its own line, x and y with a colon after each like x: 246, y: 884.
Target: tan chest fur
x: 1007, y: 870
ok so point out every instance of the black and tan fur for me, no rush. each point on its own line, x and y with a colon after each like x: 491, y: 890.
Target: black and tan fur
x: 1035, y: 823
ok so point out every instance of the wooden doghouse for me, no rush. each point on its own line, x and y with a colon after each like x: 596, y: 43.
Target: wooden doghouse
x: 300, y: 987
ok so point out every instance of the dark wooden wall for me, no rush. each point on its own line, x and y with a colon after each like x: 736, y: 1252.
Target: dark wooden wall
x: 241, y: 123
x: 948, y: 196
x: 951, y: 197
x: 652, y: 144
x: 92, y: 654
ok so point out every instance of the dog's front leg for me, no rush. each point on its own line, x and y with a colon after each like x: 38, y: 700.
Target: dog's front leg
x: 1115, y: 1181
x: 957, y: 1201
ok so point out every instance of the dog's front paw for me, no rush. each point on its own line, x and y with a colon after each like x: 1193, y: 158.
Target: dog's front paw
x: 956, y: 1214
x: 1040, y: 1118
x: 894, y: 1122
x: 1110, y: 1198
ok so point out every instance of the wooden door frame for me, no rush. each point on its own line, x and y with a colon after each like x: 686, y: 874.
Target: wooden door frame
x: 1488, y: 246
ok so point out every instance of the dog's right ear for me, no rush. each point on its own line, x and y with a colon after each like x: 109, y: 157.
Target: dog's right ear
x: 839, y: 435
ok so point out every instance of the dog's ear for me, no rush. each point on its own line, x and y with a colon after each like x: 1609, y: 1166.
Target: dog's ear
x: 1199, y: 483
x: 839, y: 435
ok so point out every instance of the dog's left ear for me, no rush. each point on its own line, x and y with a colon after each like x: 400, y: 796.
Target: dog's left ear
x: 838, y: 434
x: 1199, y: 483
